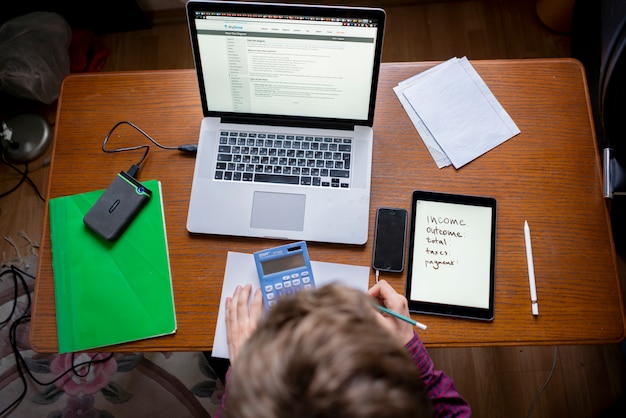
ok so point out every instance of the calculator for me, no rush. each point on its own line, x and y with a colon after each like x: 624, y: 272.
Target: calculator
x: 283, y: 271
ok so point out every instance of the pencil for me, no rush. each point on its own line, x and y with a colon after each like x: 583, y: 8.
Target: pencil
x: 402, y: 317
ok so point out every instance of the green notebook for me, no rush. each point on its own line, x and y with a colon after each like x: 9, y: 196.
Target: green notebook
x: 110, y: 292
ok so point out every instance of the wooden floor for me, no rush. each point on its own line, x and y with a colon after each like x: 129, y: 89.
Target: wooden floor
x: 479, y: 29
x: 498, y: 382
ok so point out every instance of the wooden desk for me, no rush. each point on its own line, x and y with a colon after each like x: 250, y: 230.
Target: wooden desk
x: 549, y: 175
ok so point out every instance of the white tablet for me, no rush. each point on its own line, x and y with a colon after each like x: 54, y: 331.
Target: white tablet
x: 452, y: 255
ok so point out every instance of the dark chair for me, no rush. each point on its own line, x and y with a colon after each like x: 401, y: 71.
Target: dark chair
x: 599, y: 42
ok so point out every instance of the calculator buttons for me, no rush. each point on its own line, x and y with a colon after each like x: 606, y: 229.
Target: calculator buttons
x: 281, y: 275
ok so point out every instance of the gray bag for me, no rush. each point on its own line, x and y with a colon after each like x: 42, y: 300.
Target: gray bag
x: 34, y: 56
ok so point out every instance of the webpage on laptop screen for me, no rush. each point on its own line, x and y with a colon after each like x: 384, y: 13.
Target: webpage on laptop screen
x: 279, y: 66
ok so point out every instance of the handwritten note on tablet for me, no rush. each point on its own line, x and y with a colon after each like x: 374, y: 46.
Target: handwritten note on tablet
x: 452, y: 255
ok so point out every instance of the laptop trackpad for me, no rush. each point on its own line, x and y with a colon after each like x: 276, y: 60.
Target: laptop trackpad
x: 284, y: 211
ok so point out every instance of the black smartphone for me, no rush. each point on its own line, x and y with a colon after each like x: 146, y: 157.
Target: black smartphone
x: 389, y: 239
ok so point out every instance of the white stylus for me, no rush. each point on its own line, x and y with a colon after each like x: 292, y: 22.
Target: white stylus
x: 531, y: 270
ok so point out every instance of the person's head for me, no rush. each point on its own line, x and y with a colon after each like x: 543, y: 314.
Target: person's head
x: 322, y: 353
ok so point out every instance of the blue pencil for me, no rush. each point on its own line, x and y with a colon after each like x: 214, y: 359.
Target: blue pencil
x: 402, y: 317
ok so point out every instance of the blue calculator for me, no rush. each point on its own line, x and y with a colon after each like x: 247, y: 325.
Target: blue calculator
x: 283, y: 271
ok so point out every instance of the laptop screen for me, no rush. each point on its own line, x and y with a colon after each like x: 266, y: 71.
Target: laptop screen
x: 286, y: 61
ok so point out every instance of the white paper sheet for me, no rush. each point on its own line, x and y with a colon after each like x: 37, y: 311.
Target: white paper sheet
x: 440, y: 157
x: 241, y: 270
x: 455, y: 113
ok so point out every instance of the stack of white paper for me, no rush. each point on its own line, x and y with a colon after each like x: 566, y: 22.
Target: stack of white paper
x: 455, y: 113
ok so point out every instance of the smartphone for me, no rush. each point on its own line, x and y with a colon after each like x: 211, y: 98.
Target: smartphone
x: 389, y: 239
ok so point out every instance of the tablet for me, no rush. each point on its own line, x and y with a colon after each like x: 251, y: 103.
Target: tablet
x: 452, y: 255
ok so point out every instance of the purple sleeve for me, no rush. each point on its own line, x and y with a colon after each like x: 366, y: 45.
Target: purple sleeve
x: 440, y: 388
x: 219, y: 412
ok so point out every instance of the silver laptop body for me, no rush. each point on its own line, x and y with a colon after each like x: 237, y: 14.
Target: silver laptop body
x: 288, y: 94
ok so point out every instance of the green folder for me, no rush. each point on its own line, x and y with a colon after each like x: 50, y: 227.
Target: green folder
x: 110, y: 292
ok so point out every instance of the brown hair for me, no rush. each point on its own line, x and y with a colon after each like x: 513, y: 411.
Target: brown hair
x: 322, y: 353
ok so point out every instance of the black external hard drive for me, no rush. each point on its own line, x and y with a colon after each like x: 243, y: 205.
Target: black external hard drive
x: 117, y: 207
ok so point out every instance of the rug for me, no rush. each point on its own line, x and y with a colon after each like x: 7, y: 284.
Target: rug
x: 91, y: 385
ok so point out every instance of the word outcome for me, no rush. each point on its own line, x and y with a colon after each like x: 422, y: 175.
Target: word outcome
x: 441, y: 232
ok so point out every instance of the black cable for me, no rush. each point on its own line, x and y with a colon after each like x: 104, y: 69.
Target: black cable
x: 145, y: 147
x: 19, y: 360
x: 135, y: 167
x: 15, y: 296
x: 13, y: 331
x: 19, y: 270
x: 24, y: 177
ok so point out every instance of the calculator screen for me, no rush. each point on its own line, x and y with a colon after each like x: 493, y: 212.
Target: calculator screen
x: 281, y: 264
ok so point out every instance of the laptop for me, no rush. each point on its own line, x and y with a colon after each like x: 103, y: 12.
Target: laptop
x: 288, y: 94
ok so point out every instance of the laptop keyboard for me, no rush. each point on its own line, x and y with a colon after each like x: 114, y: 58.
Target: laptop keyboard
x: 284, y: 159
